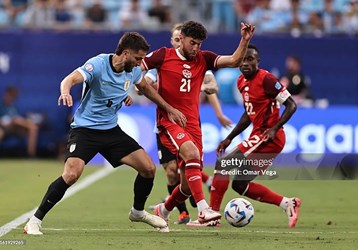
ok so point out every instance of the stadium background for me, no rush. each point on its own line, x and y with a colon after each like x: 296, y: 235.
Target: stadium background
x: 41, y: 41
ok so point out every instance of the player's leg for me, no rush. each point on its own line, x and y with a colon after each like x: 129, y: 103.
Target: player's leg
x: 266, y: 152
x: 125, y: 150
x: 169, y: 162
x: 79, y: 153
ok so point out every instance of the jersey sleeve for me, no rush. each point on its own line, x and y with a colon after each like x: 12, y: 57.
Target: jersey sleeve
x: 90, y: 69
x: 211, y: 59
x: 275, y: 89
x: 152, y: 74
x: 137, y: 75
x: 154, y: 59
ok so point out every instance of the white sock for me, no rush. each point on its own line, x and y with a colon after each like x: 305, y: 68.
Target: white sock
x: 136, y: 212
x: 33, y: 219
x: 202, y: 205
x: 284, y: 202
x: 209, y: 181
x: 165, y: 212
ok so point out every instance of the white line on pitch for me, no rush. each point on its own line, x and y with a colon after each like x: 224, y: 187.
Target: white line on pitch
x: 192, y: 230
x: 88, y: 180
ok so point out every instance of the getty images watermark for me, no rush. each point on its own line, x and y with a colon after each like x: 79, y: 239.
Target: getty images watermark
x: 244, y: 168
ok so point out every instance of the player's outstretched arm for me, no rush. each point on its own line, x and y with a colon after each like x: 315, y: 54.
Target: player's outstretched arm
x: 235, y: 60
x: 174, y: 115
x: 72, y: 79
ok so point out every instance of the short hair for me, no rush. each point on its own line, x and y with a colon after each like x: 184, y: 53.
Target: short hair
x: 177, y: 26
x: 195, y: 30
x: 133, y: 41
x: 251, y: 46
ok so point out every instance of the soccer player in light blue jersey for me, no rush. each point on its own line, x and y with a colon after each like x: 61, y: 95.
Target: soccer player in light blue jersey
x: 106, y: 80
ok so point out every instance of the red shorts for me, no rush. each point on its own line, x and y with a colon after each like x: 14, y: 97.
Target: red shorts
x: 173, y: 136
x: 256, y: 148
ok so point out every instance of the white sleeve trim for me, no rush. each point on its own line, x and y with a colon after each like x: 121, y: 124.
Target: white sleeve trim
x: 140, y: 79
x: 151, y: 77
x: 283, y: 96
x: 82, y: 73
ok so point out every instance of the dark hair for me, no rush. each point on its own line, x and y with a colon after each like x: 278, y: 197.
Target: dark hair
x: 133, y: 41
x: 251, y: 46
x: 295, y: 58
x: 194, y: 29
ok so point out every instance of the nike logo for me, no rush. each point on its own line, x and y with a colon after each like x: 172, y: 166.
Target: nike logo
x: 194, y: 178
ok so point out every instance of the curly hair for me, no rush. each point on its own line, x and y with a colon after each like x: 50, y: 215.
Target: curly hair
x: 195, y: 30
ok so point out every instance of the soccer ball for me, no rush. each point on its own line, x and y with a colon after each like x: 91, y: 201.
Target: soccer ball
x: 239, y: 212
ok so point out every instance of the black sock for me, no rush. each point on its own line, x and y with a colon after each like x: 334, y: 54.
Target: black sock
x: 142, y: 188
x: 54, y: 194
x: 182, y: 206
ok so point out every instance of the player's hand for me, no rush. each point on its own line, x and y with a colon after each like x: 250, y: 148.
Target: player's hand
x: 177, y: 117
x: 269, y: 134
x: 128, y: 101
x: 66, y: 99
x: 220, y: 150
x: 224, y: 121
x: 247, y: 31
x: 210, y: 88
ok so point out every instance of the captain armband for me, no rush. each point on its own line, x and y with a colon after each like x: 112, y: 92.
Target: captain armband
x: 283, y: 96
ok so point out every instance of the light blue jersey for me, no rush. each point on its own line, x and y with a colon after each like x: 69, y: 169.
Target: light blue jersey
x: 103, y: 93
x: 152, y: 74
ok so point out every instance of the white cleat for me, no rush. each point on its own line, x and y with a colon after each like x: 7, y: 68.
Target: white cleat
x: 292, y: 210
x: 33, y: 228
x: 208, y: 215
x: 150, y: 219
x: 158, y: 211
x: 196, y: 223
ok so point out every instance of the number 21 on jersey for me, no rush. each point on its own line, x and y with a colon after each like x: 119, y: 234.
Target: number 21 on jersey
x: 185, y: 86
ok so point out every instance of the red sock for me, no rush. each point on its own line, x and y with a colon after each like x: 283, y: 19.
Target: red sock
x: 177, y: 197
x: 261, y: 193
x: 218, y: 189
x: 204, y: 177
x: 193, y: 177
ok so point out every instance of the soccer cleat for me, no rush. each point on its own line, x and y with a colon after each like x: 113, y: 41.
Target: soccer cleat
x: 158, y: 211
x: 33, y: 228
x: 208, y: 215
x: 150, y: 219
x: 292, y: 210
x: 183, y: 218
x: 196, y: 223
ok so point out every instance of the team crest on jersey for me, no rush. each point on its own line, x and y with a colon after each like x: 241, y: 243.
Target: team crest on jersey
x: 186, y: 73
x: 126, y: 84
x: 246, y: 88
x: 180, y: 136
x: 186, y: 66
x: 246, y: 97
x: 89, y: 67
x: 72, y: 147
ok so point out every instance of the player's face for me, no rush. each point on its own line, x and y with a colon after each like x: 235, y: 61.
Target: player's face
x: 250, y: 63
x: 133, y: 59
x: 190, y: 47
x: 175, y: 39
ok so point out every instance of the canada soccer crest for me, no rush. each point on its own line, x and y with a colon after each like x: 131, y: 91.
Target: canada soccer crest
x: 180, y: 136
x: 186, y: 73
x: 246, y: 97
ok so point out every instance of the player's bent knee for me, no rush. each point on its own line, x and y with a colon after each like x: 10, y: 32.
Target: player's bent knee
x: 239, y: 186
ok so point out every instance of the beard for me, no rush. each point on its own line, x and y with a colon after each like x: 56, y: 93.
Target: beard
x: 188, y: 56
x: 128, y: 66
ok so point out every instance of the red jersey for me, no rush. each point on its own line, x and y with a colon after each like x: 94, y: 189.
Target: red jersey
x: 261, y: 95
x: 179, y: 81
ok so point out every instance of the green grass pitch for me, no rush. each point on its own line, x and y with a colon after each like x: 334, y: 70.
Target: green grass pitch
x: 97, y: 216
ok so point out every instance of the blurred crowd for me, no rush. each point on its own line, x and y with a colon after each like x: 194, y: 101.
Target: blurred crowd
x: 317, y: 17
